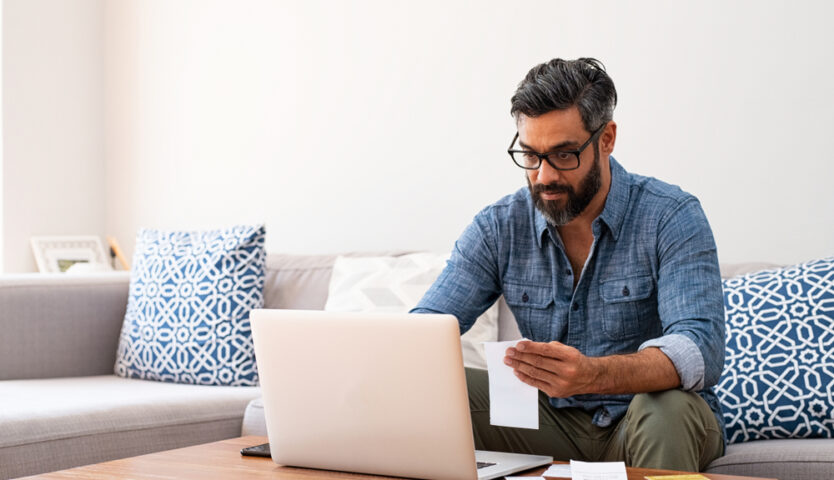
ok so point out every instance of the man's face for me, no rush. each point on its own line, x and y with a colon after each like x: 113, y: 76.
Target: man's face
x: 561, y: 195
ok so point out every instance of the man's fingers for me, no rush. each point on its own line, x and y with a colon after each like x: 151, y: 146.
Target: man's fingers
x: 552, y: 349
x: 544, y: 372
x: 535, y: 382
x: 535, y: 360
x: 553, y: 368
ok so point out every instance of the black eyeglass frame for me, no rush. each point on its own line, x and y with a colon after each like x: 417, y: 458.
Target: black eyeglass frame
x: 545, y: 156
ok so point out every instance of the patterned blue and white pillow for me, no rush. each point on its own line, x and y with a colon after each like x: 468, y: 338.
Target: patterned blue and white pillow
x: 187, y: 317
x: 778, y: 379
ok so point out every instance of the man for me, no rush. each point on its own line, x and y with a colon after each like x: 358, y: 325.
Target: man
x: 612, y: 276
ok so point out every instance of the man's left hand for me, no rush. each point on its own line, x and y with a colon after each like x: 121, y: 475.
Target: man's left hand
x: 556, y: 369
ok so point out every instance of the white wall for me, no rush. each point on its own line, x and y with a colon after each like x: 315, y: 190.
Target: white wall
x: 380, y: 125
x: 2, y: 248
x: 369, y: 125
x: 53, y: 159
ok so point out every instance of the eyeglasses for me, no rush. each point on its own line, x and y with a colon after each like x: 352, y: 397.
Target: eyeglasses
x: 558, y: 159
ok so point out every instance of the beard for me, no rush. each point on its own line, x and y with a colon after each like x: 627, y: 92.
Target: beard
x: 557, y: 213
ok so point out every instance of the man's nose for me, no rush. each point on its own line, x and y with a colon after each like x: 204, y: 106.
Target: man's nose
x: 547, y: 174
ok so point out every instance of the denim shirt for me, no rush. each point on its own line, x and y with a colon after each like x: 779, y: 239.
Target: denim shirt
x: 651, y: 280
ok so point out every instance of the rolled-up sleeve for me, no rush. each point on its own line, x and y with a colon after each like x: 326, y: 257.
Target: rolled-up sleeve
x: 690, y: 299
x: 685, y: 356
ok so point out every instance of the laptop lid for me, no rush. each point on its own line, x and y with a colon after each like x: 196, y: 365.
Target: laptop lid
x: 372, y: 393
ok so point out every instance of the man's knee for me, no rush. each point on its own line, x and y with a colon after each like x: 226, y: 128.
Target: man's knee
x: 663, y: 409
x: 672, y: 429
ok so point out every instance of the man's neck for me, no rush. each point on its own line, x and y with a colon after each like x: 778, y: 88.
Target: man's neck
x: 577, y: 235
x: 581, y: 225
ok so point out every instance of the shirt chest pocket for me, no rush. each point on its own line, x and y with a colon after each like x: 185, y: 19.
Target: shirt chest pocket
x: 530, y: 305
x: 627, y: 303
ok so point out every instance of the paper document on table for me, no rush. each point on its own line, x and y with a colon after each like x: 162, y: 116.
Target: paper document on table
x: 598, y: 470
x: 512, y: 403
x: 559, y: 470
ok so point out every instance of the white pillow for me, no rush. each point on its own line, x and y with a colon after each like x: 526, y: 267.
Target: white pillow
x: 396, y: 284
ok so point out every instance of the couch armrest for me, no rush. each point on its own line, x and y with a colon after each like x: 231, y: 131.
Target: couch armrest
x: 58, y: 325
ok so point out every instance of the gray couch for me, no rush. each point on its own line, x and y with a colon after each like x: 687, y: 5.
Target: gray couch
x: 61, y: 406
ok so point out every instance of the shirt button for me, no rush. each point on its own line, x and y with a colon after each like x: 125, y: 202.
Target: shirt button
x: 568, y: 272
x: 575, y: 307
x: 626, y: 292
x: 525, y: 298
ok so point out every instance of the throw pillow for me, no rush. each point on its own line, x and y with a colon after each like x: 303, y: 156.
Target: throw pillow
x: 778, y: 379
x: 187, y: 318
x: 396, y: 284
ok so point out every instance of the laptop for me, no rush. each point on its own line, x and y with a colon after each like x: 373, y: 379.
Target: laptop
x: 383, y: 394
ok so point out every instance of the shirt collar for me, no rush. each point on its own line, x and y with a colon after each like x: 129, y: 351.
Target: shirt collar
x: 615, y: 204
x: 539, y: 222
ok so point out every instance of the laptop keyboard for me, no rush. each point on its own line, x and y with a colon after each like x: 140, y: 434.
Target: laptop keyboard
x: 484, y: 464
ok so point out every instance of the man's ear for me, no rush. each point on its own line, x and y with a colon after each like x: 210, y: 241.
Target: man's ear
x: 608, y: 138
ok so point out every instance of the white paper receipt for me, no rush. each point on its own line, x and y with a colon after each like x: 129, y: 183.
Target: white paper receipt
x: 598, y: 470
x: 512, y: 403
x: 558, y: 470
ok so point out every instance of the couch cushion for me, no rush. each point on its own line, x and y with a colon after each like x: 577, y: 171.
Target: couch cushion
x: 300, y: 282
x: 779, y: 364
x: 796, y: 459
x: 297, y: 282
x: 76, y: 318
x: 187, y: 317
x: 396, y: 285
x: 51, y: 424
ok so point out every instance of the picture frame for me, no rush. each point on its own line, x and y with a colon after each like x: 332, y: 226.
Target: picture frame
x: 58, y: 254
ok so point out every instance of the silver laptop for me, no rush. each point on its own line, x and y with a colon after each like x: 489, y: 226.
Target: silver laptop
x: 383, y: 394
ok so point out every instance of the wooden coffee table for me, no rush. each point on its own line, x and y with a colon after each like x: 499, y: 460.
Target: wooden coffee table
x: 222, y: 461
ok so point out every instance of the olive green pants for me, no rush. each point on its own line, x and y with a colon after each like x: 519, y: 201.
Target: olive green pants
x: 673, y: 430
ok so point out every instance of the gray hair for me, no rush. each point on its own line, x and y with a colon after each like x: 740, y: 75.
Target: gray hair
x: 561, y: 84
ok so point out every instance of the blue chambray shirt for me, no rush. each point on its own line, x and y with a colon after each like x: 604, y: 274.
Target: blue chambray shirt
x: 651, y: 280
